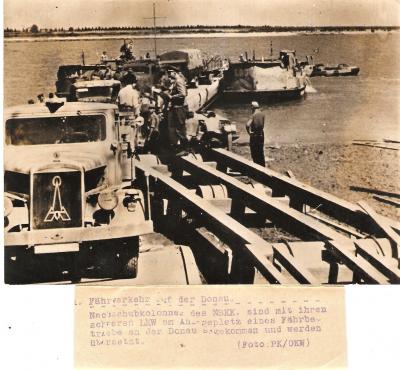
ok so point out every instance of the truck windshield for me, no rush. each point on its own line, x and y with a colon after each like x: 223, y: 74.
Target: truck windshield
x: 55, y: 130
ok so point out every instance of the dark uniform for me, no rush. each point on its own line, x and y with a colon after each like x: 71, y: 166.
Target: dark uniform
x: 178, y: 114
x: 129, y: 78
x: 153, y: 133
x: 255, y: 128
x: 165, y: 81
x: 118, y: 74
x: 127, y: 52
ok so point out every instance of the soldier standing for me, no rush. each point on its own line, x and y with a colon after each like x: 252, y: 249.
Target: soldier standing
x: 153, y: 133
x: 127, y: 51
x: 178, y: 113
x: 255, y: 128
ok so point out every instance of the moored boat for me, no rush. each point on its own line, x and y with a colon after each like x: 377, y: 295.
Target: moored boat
x: 335, y: 70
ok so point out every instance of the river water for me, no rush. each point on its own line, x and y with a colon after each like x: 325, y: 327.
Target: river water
x: 342, y: 109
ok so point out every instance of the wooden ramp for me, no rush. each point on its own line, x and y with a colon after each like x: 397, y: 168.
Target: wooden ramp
x: 207, y: 205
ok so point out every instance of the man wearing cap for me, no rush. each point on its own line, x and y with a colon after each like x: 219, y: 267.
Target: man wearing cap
x: 164, y: 80
x: 105, y: 73
x: 255, y: 128
x: 129, y: 78
x: 118, y: 73
x: 178, y: 112
x: 96, y: 74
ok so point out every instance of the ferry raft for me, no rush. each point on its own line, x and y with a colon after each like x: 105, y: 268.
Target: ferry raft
x: 264, y: 80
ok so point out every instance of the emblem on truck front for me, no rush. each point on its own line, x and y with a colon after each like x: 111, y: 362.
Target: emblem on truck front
x: 57, y: 210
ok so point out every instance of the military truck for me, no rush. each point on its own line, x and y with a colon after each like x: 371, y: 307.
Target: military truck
x: 75, y: 83
x: 69, y: 191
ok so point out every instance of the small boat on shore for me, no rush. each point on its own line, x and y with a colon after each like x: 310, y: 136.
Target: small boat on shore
x: 335, y: 70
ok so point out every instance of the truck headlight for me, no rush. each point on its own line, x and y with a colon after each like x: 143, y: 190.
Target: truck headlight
x: 8, y: 206
x: 130, y: 203
x: 108, y: 200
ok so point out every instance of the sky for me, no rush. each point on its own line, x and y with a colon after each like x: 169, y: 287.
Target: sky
x: 106, y: 13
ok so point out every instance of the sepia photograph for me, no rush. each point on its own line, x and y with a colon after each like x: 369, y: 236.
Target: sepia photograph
x: 189, y: 142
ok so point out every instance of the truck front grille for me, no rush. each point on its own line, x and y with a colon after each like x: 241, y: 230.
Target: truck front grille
x: 56, y: 199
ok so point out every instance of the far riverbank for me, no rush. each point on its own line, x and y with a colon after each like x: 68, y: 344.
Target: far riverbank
x: 87, y: 36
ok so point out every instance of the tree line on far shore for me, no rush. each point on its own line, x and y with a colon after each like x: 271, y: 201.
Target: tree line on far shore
x: 34, y: 30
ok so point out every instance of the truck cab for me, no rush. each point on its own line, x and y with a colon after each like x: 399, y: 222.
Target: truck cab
x: 76, y: 82
x: 68, y: 187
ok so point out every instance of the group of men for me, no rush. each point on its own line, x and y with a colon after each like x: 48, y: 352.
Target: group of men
x: 127, y: 54
x: 41, y: 99
x: 164, y: 106
x: 106, y: 73
x: 167, y: 106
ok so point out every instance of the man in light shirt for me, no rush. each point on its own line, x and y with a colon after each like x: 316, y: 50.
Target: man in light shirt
x: 255, y: 128
x: 128, y: 99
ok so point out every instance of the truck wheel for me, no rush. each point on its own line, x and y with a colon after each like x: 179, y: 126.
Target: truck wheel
x: 116, y: 258
x: 127, y: 258
x: 129, y: 270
